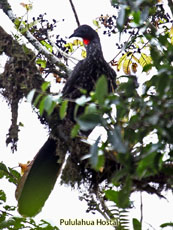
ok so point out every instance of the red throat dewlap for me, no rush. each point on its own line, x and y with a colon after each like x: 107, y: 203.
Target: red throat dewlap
x: 86, y: 41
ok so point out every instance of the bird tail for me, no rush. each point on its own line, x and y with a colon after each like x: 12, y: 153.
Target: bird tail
x: 39, y: 179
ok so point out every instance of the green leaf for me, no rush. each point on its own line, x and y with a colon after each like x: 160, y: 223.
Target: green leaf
x: 101, y: 89
x: 137, y: 16
x: 166, y: 225
x: 88, y: 121
x: 47, y: 45
x: 30, y: 95
x: 111, y: 195
x: 17, y: 22
x: 136, y: 224
x: 150, y: 162
x: 97, y: 156
x: 14, y: 176
x: 114, y: 137
x: 3, y: 170
x: 3, y: 167
x: 41, y: 105
x: 121, y: 198
x: 2, y: 195
x: 75, y: 130
x: 48, y: 103
x: 37, y: 99
x: 41, y: 62
x: 45, y: 86
x: 51, y: 109
x: 147, y: 67
x: 63, y: 109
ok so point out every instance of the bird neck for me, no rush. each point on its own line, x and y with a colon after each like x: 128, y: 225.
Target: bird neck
x: 94, y: 49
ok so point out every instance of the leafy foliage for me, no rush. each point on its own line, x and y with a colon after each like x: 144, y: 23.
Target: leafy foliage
x: 8, y: 218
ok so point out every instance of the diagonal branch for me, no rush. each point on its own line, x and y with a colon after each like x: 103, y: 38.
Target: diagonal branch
x: 53, y: 59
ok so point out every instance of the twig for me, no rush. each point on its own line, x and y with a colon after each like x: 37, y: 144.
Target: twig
x: 125, y: 46
x: 106, y: 213
x: 75, y: 13
x: 65, y: 55
x: 141, y: 209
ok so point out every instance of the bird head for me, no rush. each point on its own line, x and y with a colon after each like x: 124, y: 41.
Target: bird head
x: 86, y: 33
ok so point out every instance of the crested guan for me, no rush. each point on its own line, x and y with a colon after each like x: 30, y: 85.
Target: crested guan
x: 87, y: 71
x: 38, y: 181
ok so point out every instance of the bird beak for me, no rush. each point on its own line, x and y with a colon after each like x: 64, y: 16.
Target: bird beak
x: 71, y: 35
x: 75, y: 34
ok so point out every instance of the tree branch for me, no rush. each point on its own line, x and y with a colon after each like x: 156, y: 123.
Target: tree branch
x: 53, y: 59
x: 75, y: 13
x: 170, y: 3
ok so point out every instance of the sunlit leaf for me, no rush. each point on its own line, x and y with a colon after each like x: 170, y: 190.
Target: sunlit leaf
x: 41, y: 62
x: 77, y: 42
x: 47, y: 45
x: 45, y: 86
x: 83, y: 53
x: 96, y: 23
x: 120, y: 61
x: 171, y: 34
x: 145, y: 60
x: 135, y: 58
x: 69, y: 46
x: 136, y: 16
x: 126, y: 66
x: 171, y: 31
x: 17, y: 22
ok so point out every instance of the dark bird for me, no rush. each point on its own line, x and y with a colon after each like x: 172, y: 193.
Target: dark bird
x: 87, y: 71
x: 39, y: 180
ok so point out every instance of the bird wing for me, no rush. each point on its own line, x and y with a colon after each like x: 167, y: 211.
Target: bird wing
x: 71, y: 83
